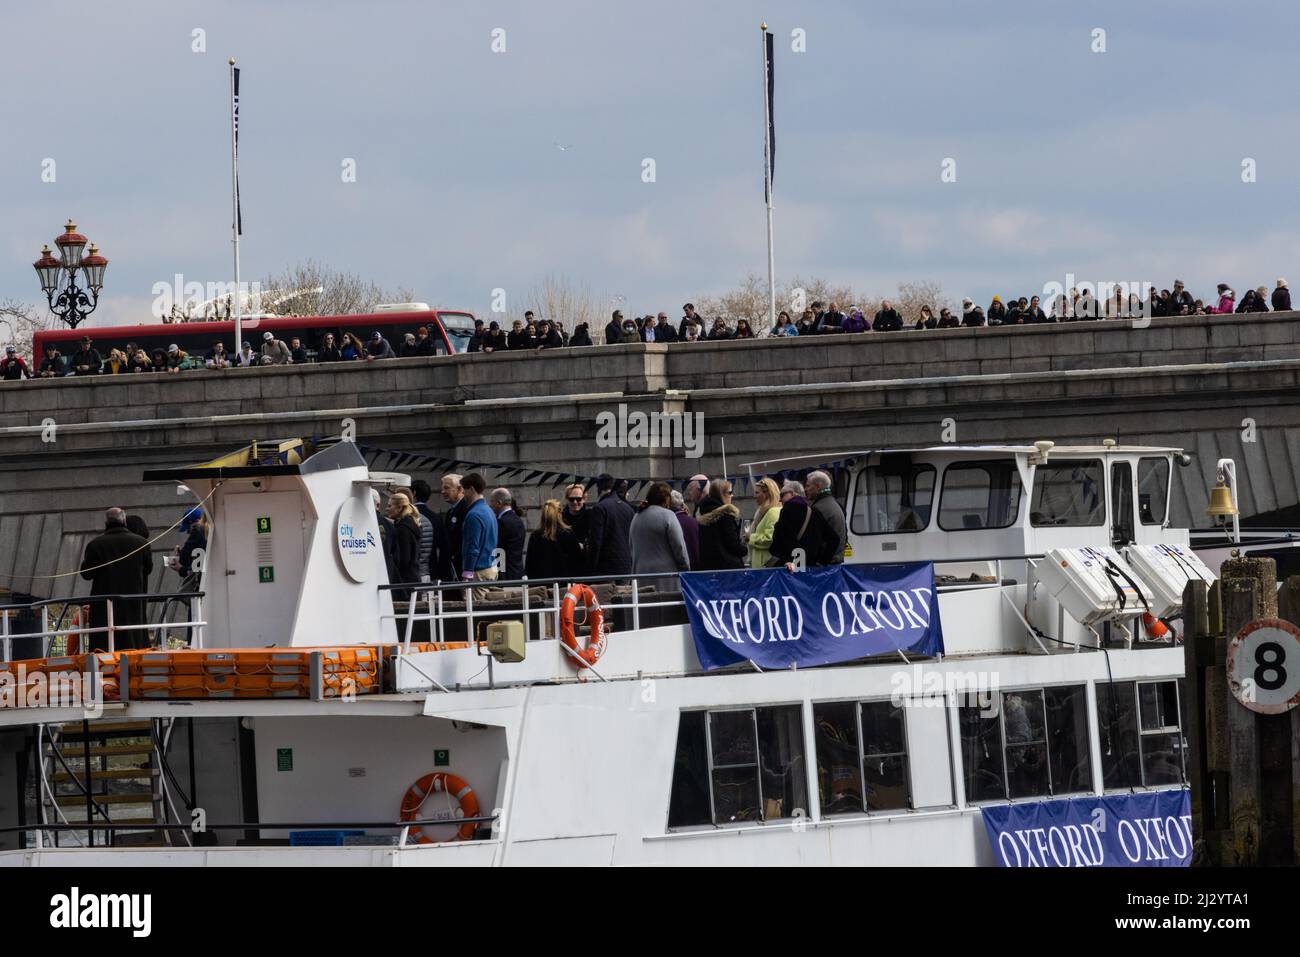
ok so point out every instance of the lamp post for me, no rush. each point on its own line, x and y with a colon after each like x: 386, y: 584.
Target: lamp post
x: 71, y: 304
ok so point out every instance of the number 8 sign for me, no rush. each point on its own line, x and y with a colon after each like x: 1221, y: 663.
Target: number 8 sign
x: 1264, y: 666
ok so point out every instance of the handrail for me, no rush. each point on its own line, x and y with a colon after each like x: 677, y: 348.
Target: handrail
x: 627, y: 576
x: 255, y: 825
x: 87, y: 599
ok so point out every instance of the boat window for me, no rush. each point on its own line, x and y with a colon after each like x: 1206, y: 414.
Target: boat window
x: 1121, y: 504
x: 1068, y: 492
x: 1142, y: 741
x: 1026, y: 743
x: 979, y: 495
x: 1153, y: 490
x: 852, y: 779
x: 738, y: 766
x: 891, y: 500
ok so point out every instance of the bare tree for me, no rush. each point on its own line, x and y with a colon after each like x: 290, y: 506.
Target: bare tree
x: 19, y: 323
x: 749, y: 299
x: 316, y: 289
x: 913, y: 295
x: 560, y: 299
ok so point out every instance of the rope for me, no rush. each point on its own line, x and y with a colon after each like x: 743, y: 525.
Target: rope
x: 93, y: 568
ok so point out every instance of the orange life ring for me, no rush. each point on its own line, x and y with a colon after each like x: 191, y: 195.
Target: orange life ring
x: 576, y: 594
x: 439, y: 782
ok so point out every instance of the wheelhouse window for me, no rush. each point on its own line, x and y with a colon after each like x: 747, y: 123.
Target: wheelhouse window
x: 739, y: 766
x: 1068, y: 492
x: 1153, y: 490
x: 861, y: 757
x: 979, y: 495
x: 1025, y: 743
x: 1142, y: 741
x: 893, y: 498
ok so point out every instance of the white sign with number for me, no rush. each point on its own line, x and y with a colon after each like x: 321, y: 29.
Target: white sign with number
x: 1264, y: 666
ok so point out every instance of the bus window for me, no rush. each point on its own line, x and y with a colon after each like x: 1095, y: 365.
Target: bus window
x: 460, y: 328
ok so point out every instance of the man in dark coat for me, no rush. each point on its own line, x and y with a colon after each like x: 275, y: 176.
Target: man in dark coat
x: 439, y: 570
x: 510, y: 532
x: 799, y: 526
x: 454, y: 517
x: 887, y: 319
x: 115, y: 563
x: 1281, y: 297
x: 86, y: 360
x: 614, y: 329
x: 609, y: 532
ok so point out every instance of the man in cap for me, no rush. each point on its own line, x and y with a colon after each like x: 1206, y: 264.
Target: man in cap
x: 86, y: 360
x: 378, y: 348
x: 274, y: 351
x: 1180, y: 298
x: 13, y: 367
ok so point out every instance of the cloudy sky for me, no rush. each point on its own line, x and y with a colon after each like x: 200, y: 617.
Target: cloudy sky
x: 1124, y: 165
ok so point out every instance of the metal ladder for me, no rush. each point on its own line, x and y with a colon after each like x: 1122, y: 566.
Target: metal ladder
x: 115, y: 761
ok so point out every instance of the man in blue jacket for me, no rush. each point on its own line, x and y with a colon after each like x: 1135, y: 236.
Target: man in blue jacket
x: 478, y: 535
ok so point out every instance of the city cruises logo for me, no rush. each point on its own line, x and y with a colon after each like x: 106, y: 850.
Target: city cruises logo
x: 20, y: 688
x: 355, y: 538
x: 354, y: 542
x: 651, y: 430
x: 76, y: 910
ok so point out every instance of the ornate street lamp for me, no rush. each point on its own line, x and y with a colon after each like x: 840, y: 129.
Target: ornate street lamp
x: 71, y: 304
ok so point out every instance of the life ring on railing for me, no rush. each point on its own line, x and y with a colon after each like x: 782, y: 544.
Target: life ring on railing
x: 440, y: 782
x: 576, y: 594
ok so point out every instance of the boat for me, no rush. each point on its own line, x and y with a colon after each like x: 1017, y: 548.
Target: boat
x: 298, y: 709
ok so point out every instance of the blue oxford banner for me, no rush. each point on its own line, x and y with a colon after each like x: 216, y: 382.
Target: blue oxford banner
x: 1153, y: 829
x: 819, y: 617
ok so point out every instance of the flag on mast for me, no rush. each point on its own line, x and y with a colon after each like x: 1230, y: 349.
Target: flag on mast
x: 768, y: 173
x: 234, y: 120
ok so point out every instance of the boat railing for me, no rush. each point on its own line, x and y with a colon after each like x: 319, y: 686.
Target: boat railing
x: 453, y: 611
x: 403, y: 838
x: 53, y: 621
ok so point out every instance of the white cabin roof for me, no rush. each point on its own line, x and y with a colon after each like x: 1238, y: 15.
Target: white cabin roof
x: 825, y: 457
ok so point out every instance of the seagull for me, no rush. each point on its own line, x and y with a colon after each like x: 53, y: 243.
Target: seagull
x: 563, y: 149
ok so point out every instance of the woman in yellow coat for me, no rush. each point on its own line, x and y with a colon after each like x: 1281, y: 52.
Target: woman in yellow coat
x: 759, y: 537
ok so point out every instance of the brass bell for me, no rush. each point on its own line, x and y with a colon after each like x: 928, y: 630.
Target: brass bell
x: 1221, y: 501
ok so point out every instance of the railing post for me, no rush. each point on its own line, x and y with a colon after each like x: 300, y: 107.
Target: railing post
x: 46, y: 639
x: 196, y: 614
x: 412, y: 599
x: 527, y: 619
x: 111, y: 642
x: 636, y: 605
x: 4, y: 633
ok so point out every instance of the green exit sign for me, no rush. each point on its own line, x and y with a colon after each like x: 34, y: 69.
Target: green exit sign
x: 284, y: 759
x: 441, y: 758
x: 263, y: 524
x: 265, y: 574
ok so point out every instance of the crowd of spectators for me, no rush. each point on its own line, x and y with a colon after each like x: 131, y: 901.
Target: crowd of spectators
x: 532, y: 334
x: 700, y: 529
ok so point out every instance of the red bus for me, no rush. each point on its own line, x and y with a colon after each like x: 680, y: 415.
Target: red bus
x: 449, y: 330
